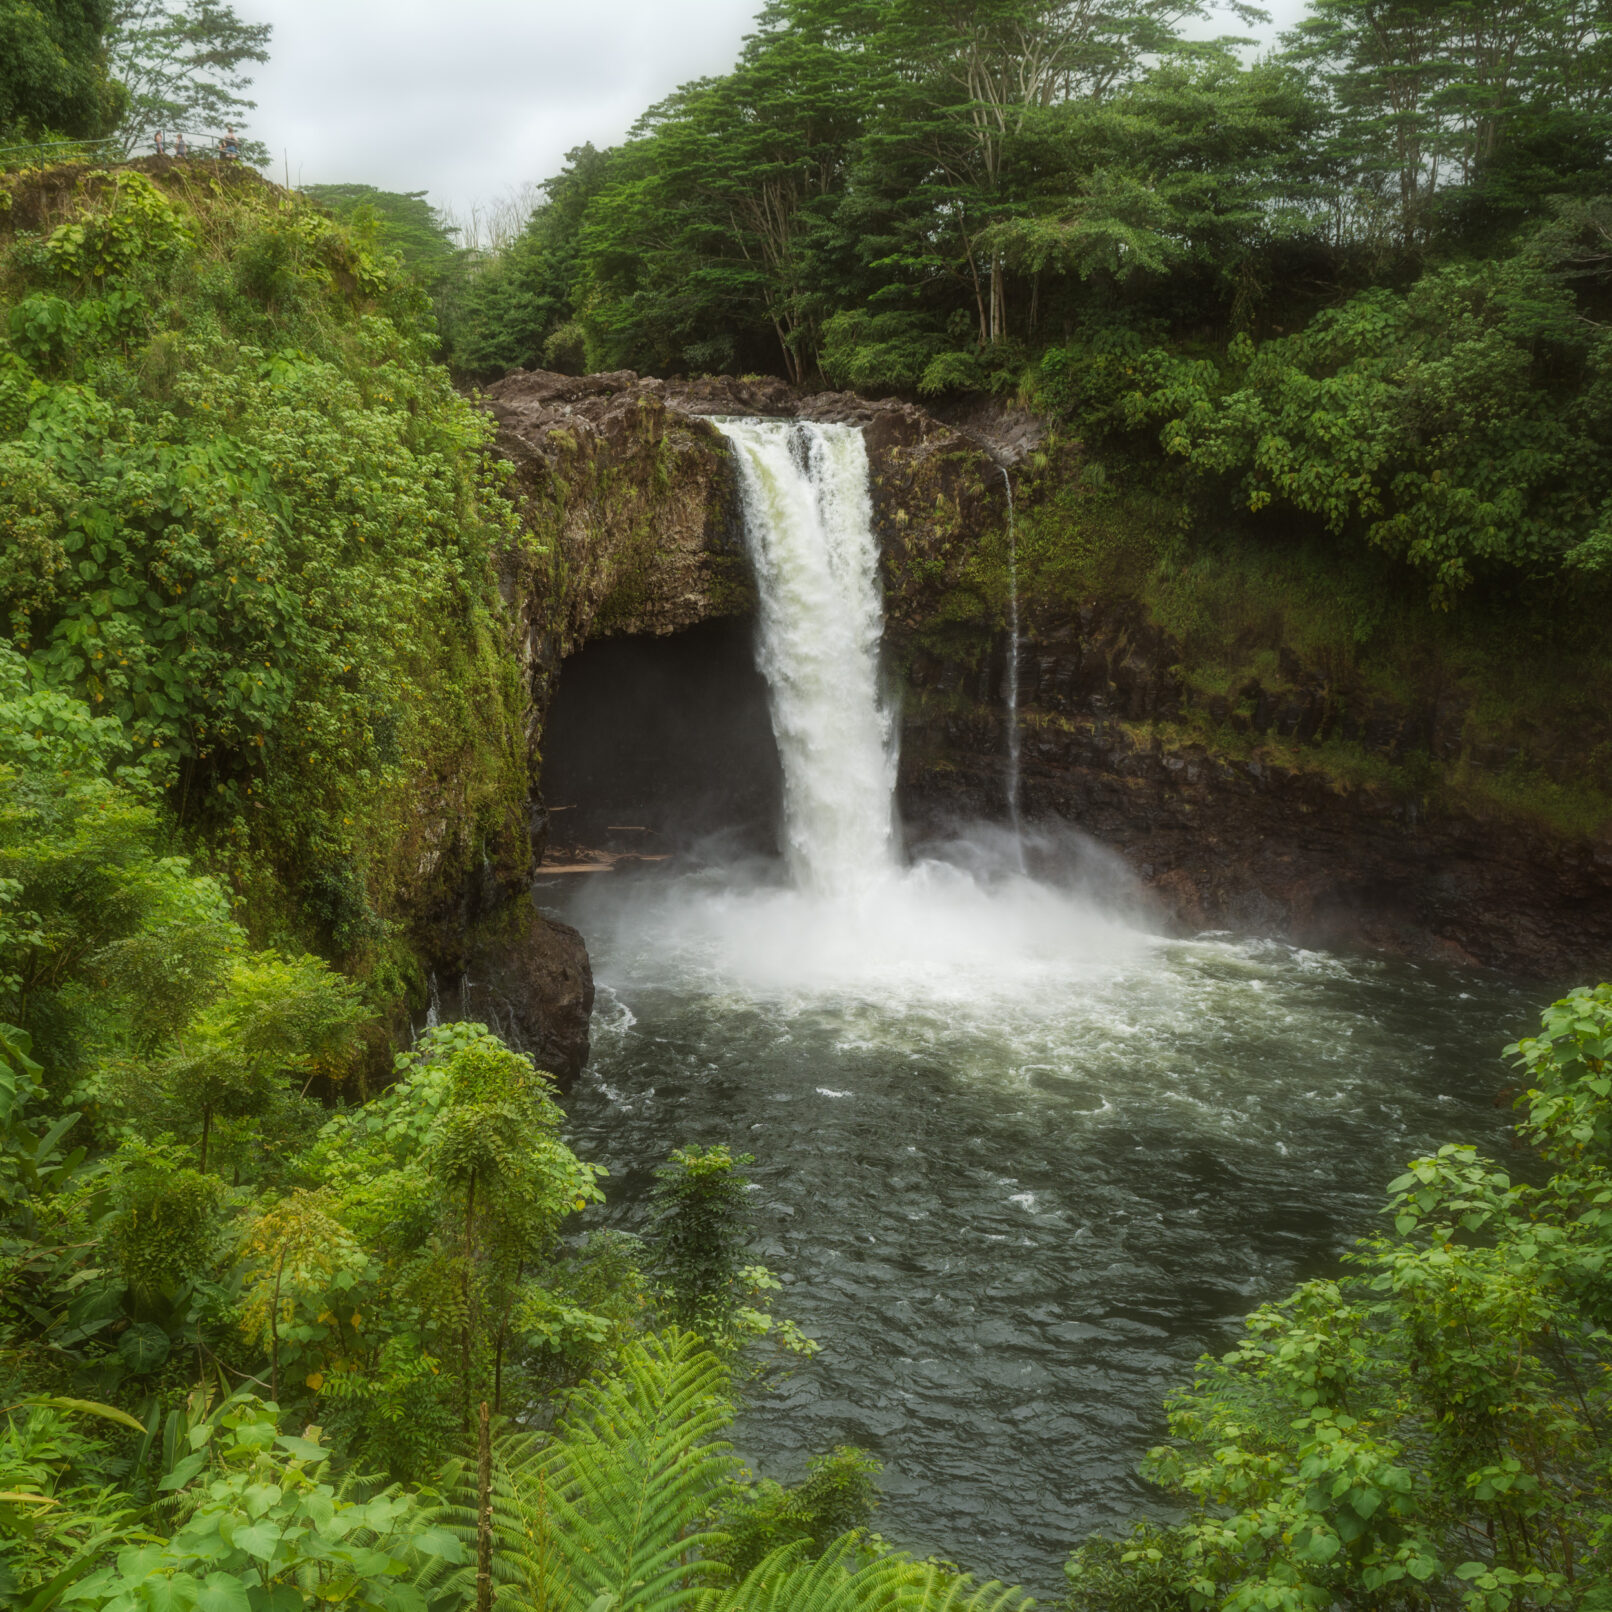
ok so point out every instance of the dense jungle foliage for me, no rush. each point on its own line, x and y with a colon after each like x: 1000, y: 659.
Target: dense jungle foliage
x: 243, y: 513
x: 289, y: 1318
x: 266, y: 1344
x: 1361, y: 279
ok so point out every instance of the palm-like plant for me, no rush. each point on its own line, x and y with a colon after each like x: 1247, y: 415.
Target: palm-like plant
x: 612, y: 1512
x: 847, y: 1577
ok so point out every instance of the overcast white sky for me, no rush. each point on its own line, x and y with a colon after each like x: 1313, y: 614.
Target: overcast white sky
x: 470, y: 98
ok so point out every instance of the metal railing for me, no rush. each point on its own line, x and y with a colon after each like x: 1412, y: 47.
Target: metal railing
x: 37, y: 152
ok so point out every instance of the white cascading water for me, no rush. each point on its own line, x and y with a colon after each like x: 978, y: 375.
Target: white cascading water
x: 809, y: 521
x: 965, y: 924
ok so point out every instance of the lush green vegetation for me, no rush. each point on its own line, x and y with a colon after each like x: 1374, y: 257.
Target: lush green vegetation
x: 54, y: 76
x: 245, y: 1313
x: 291, y: 1317
x: 1428, y: 1428
x: 243, y: 513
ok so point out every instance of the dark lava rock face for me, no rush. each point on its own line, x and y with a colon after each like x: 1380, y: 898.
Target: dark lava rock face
x: 527, y: 977
x: 1228, y: 842
x: 628, y: 491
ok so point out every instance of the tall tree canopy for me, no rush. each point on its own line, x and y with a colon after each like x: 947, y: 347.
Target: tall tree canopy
x: 913, y: 193
x: 53, y: 70
x: 184, y: 64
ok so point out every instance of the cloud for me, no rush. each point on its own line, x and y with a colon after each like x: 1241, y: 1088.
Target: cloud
x: 470, y: 98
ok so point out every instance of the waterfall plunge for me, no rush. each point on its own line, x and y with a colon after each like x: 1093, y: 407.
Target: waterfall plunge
x: 809, y: 522
x: 963, y: 925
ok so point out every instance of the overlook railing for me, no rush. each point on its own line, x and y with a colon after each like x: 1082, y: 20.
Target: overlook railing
x: 38, y: 153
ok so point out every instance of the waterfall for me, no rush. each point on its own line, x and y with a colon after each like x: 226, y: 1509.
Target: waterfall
x: 1013, y: 668
x: 808, y: 521
x: 964, y: 921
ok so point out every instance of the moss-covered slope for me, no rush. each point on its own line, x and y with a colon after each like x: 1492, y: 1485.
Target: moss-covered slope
x: 243, y: 510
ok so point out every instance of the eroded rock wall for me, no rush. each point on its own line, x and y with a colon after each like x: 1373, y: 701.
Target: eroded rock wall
x: 1228, y: 840
x: 631, y: 508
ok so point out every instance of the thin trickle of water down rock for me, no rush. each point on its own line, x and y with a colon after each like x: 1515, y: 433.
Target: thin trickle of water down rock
x: 1013, y: 671
x: 809, y: 526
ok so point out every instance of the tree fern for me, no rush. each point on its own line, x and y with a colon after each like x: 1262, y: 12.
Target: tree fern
x: 846, y: 1578
x: 638, y: 1466
x: 609, y: 1506
x: 610, y: 1512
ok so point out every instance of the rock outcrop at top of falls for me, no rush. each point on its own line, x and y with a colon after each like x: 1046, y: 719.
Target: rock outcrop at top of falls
x: 629, y: 487
x: 1231, y: 809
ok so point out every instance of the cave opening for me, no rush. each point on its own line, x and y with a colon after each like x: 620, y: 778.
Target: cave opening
x: 656, y: 744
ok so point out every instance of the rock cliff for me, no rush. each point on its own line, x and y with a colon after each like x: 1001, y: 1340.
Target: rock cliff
x: 1222, y: 805
x: 1228, y: 838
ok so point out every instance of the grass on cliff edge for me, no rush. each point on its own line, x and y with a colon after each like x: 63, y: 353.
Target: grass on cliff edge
x: 242, y: 510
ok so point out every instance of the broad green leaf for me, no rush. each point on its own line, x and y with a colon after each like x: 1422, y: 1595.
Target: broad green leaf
x: 223, y: 1592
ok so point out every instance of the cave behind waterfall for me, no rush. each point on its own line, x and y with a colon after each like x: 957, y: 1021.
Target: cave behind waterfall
x: 654, y: 745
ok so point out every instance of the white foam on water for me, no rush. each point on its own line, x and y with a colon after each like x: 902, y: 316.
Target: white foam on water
x: 853, y: 921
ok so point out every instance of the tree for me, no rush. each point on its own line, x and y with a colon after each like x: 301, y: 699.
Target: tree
x: 1427, y: 1428
x: 700, y: 1229
x: 278, y: 1019
x: 496, y: 1142
x: 732, y: 179
x: 503, y: 308
x: 1437, y: 95
x: 182, y: 62
x: 54, y: 77
x: 401, y: 222
x: 698, y: 1236
x: 980, y: 71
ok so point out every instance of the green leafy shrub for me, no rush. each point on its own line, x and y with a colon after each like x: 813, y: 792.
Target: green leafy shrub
x: 267, y: 1529
x: 1461, y: 425
x: 837, y: 1497
x: 1426, y: 1429
x: 242, y: 513
x: 892, y: 351
x: 168, y: 1227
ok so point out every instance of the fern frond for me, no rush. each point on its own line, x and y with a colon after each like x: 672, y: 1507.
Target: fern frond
x: 937, y: 1589
x: 637, y: 1464
x: 607, y: 1507
x: 519, y: 1523
x: 843, y: 1580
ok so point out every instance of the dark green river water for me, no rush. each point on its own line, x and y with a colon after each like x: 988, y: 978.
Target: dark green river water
x: 1020, y: 1162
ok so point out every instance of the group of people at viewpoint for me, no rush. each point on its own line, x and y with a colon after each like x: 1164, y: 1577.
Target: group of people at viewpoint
x: 229, y: 148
